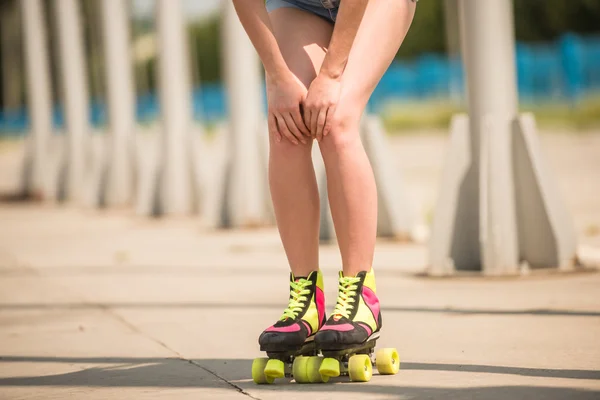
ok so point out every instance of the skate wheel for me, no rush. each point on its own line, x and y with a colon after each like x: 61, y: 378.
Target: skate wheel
x: 313, y: 370
x: 258, y: 371
x: 330, y: 367
x: 360, y: 368
x: 274, y: 369
x: 299, y: 369
x: 387, y: 361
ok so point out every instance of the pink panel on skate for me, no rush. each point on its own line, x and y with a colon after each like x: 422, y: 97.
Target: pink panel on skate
x: 367, y: 328
x: 320, y: 299
x: 339, y: 328
x: 372, y: 302
x: 291, y: 328
x: 308, y: 327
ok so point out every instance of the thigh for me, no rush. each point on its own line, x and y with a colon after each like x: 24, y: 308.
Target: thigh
x: 382, y: 30
x: 303, y: 39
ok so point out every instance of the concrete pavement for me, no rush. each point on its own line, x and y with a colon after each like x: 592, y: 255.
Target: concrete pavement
x: 107, y: 305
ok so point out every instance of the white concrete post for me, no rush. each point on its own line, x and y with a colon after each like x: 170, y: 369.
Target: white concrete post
x: 39, y: 99
x: 246, y: 177
x: 120, y: 99
x: 483, y: 224
x: 176, y: 111
x: 489, y: 42
x: 396, y: 215
x: 495, y: 180
x: 75, y: 92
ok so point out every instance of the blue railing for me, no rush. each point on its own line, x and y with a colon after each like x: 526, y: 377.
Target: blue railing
x: 565, y: 70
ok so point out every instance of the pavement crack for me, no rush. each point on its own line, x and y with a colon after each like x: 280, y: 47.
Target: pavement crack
x: 107, y: 309
x: 233, y: 385
x: 179, y: 355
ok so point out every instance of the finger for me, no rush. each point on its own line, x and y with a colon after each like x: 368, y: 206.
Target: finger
x: 273, y: 130
x: 291, y: 124
x: 321, y: 123
x: 297, y: 116
x: 284, y: 129
x: 306, y: 117
x: 328, y: 121
x: 314, y: 116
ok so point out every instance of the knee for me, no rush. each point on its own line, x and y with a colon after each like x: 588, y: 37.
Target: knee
x: 343, y: 133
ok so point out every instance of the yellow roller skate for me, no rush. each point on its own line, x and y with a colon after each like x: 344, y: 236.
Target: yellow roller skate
x: 347, y: 340
x: 289, y: 343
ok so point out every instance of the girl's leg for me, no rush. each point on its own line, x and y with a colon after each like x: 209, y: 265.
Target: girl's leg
x: 356, y: 318
x: 350, y: 181
x: 303, y: 39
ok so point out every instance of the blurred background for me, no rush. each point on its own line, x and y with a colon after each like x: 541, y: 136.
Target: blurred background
x: 132, y: 139
x: 558, y: 61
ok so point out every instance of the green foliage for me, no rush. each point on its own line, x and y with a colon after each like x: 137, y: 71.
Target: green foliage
x: 409, y: 116
x: 426, y: 33
x: 543, y: 20
x: 403, y: 117
x: 582, y: 116
x: 205, y: 42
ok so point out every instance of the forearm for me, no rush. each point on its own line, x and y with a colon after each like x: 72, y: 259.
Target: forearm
x: 348, y: 21
x: 255, y: 19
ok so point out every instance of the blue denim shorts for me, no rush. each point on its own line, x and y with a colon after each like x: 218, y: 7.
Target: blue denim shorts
x: 327, y: 9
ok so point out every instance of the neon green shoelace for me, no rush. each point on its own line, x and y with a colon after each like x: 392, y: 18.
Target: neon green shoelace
x: 347, y: 291
x: 300, y: 288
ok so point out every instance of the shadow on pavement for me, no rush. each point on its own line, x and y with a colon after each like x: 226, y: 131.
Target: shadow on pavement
x: 492, y: 369
x: 267, y: 306
x: 235, y: 374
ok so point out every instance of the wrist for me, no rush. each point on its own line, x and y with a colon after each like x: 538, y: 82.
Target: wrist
x: 278, y: 75
x: 334, y: 74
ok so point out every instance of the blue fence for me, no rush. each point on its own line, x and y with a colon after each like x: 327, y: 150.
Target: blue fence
x: 566, y: 70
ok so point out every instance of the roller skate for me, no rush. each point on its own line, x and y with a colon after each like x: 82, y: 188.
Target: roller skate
x: 347, y: 340
x: 289, y: 343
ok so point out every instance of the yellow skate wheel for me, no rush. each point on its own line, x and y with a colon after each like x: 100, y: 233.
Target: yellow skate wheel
x: 360, y: 368
x: 275, y: 369
x: 258, y: 371
x: 387, y: 361
x: 330, y: 367
x: 313, y: 367
x: 299, y: 369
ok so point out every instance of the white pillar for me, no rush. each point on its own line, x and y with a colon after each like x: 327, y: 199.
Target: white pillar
x: 246, y: 203
x: 479, y: 230
x: 176, y: 111
x: 497, y: 206
x: 395, y: 214
x: 489, y: 56
x: 489, y: 45
x: 39, y: 99
x: 75, y: 93
x: 120, y: 99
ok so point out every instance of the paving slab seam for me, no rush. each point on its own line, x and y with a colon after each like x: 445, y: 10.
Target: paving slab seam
x: 236, y: 387
x: 116, y: 316
x: 138, y: 331
x: 135, y: 329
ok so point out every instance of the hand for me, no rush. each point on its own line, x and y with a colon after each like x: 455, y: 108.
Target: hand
x: 285, y: 97
x: 320, y: 104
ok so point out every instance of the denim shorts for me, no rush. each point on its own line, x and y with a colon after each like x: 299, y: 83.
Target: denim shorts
x: 327, y: 9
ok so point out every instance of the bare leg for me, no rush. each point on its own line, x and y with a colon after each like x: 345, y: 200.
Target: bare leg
x: 303, y: 39
x: 350, y: 181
